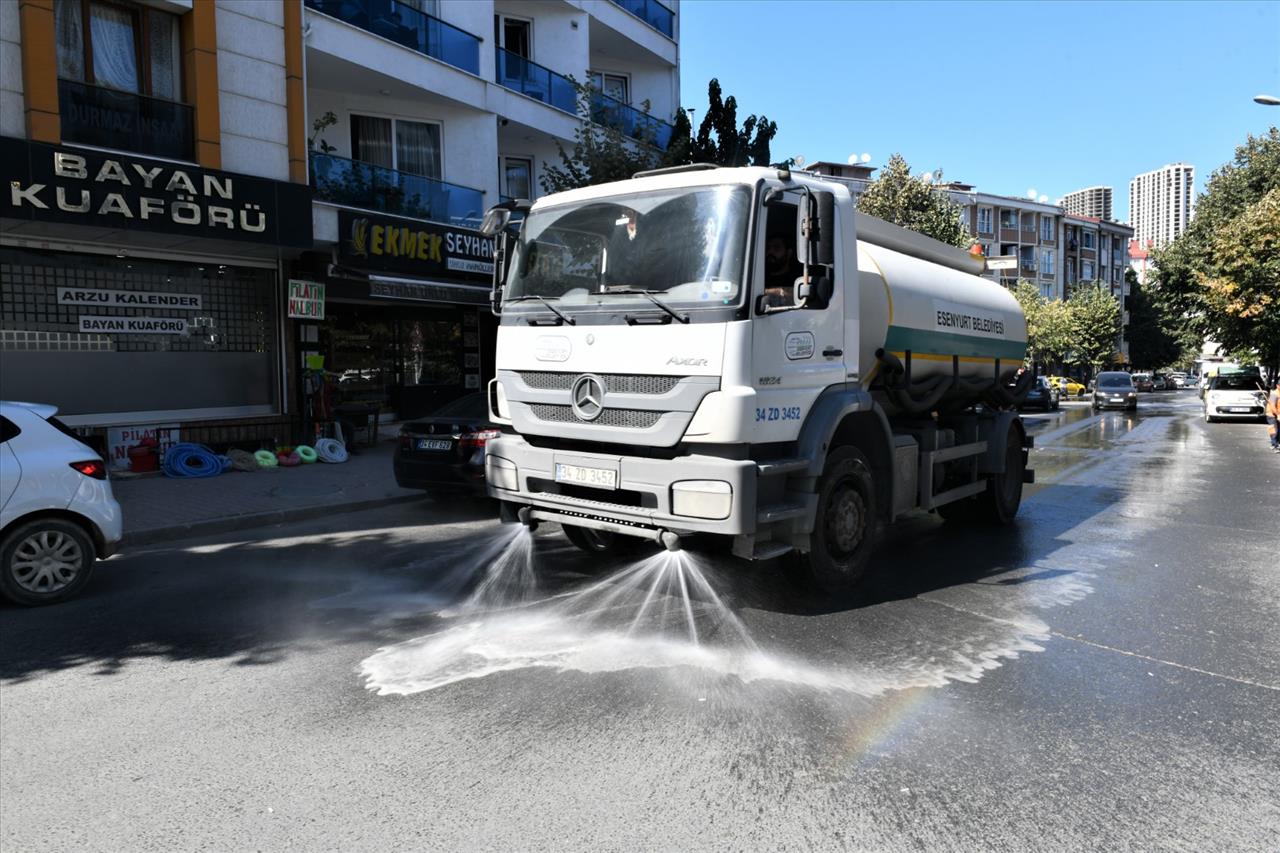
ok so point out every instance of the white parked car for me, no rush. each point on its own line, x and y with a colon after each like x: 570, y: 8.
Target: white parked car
x: 1235, y: 396
x: 57, y: 513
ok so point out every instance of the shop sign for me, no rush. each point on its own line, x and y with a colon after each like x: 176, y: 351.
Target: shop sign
x: 427, y: 292
x: 415, y: 248
x: 132, y: 325
x: 52, y: 183
x: 120, y: 439
x: 306, y: 300
x: 127, y: 298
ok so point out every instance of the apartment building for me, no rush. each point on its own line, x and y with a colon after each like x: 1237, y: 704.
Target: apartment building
x: 1007, y: 226
x: 155, y: 159
x: 1091, y: 201
x: 431, y: 111
x: 1162, y: 203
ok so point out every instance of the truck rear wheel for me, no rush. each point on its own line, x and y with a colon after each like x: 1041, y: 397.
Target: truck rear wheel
x: 601, y: 541
x: 999, y: 503
x: 844, y: 530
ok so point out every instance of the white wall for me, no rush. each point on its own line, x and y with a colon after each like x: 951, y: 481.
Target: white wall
x: 513, y: 141
x: 476, y: 17
x: 12, y: 118
x: 468, y: 137
x: 251, y: 77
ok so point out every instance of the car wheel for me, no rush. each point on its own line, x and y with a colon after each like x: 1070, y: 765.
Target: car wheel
x: 602, y: 542
x: 45, y: 561
x: 846, y: 525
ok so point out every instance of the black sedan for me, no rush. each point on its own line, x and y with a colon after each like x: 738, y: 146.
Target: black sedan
x: 1043, y: 395
x: 444, y: 451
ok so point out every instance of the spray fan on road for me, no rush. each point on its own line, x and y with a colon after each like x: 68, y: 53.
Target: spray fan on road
x: 655, y: 378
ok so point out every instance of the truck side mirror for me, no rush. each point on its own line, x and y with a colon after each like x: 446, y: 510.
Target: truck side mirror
x: 495, y: 221
x: 825, y: 243
x: 499, y: 271
x: 816, y: 295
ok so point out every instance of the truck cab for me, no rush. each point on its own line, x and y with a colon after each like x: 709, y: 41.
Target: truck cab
x: 710, y: 350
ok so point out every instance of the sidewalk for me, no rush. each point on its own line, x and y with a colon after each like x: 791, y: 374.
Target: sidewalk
x: 158, y: 508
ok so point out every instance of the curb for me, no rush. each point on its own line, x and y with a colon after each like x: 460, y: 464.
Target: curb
x: 231, y: 523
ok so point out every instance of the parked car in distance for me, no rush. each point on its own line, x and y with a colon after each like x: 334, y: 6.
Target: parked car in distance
x: 57, y: 512
x: 1067, y: 387
x: 1182, y: 380
x: 1114, y: 389
x: 1143, y: 382
x: 444, y: 451
x: 1235, y: 396
x: 1043, y: 395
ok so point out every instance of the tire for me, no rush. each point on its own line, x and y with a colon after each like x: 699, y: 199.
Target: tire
x: 998, y: 505
x: 45, y: 561
x: 846, y: 526
x: 601, y: 542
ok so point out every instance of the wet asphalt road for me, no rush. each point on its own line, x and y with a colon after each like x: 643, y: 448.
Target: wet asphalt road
x: 1103, y: 676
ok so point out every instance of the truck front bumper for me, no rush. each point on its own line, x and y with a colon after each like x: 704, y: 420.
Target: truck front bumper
x: 647, y: 495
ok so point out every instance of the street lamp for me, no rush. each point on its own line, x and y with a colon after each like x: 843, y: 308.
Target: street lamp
x: 1267, y: 100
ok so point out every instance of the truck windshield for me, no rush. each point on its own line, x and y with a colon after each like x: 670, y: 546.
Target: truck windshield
x: 683, y: 246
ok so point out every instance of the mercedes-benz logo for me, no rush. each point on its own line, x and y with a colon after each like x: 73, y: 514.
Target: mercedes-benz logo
x: 587, y: 397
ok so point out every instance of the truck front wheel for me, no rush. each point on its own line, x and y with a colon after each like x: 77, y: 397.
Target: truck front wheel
x: 844, y: 529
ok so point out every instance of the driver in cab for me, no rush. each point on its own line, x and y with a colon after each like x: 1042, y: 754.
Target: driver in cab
x: 781, y: 269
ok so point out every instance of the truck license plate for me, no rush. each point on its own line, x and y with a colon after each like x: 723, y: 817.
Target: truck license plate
x: 601, y: 478
x: 434, y: 444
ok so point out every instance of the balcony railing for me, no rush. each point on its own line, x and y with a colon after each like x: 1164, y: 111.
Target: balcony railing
x: 529, y: 78
x: 407, y: 26
x: 633, y: 123
x: 109, y: 118
x: 355, y: 184
x: 652, y: 13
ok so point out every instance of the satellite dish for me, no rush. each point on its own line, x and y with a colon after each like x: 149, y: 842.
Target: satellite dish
x: 866, y: 158
x: 853, y: 160
x: 927, y: 177
x: 799, y: 159
x: 1031, y: 193
x: 1043, y: 199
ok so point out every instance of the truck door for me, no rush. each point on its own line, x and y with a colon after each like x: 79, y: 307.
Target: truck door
x: 797, y: 352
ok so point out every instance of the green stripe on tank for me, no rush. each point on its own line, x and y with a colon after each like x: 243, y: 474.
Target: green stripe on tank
x: 901, y: 338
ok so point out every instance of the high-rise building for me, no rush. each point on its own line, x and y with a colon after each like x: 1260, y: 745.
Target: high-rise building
x: 1161, y: 203
x: 1091, y: 201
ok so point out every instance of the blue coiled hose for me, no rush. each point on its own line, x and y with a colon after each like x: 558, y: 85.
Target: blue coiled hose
x: 193, y: 460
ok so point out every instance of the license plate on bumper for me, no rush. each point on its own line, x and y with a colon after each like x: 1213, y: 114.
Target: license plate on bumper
x: 600, y: 478
x: 434, y: 444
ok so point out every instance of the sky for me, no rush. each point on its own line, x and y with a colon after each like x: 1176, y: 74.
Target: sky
x: 1006, y: 96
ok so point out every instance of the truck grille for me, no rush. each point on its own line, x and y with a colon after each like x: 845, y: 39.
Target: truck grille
x: 614, y: 383
x: 629, y: 418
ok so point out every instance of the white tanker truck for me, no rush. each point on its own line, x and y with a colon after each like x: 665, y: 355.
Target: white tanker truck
x: 648, y: 386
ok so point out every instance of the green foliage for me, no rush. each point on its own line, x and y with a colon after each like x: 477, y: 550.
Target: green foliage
x: 1158, y: 335
x: 1224, y: 271
x: 897, y: 197
x: 1095, y: 324
x: 601, y: 151
x: 1048, y: 325
x: 719, y: 138
x: 319, y: 126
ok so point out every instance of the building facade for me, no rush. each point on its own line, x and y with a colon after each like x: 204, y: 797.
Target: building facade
x: 423, y: 115
x: 1162, y: 203
x: 1091, y: 201
x: 154, y: 163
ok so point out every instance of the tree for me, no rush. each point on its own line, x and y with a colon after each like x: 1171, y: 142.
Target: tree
x: 720, y: 140
x: 1222, y: 271
x: 897, y: 197
x: 601, y: 151
x: 1048, y: 325
x: 1095, y: 324
x: 1155, y: 331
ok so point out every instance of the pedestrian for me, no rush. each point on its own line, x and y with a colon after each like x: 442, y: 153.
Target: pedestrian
x: 1272, y: 411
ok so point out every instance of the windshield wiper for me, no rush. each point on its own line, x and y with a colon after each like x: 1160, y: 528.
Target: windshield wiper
x: 648, y: 294
x: 547, y: 302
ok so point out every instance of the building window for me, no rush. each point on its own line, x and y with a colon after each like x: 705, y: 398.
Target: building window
x: 514, y: 35
x: 1046, y: 261
x: 1088, y: 239
x: 1071, y: 271
x: 616, y: 86
x: 517, y: 177
x: 1009, y: 219
x: 1046, y: 289
x: 400, y: 144
x: 1029, y: 223
x: 984, y: 220
x: 1046, y: 227
x: 119, y: 46
x: 1086, y: 270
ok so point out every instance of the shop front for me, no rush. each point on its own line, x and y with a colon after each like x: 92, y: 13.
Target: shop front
x: 406, y: 323
x: 139, y: 293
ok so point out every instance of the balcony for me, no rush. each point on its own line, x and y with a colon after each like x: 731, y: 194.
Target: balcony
x: 406, y: 26
x: 355, y: 184
x: 631, y: 121
x: 529, y: 78
x: 652, y: 13
x: 110, y: 118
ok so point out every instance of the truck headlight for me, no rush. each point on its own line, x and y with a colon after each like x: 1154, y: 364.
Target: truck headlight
x: 501, y: 473
x: 701, y: 498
